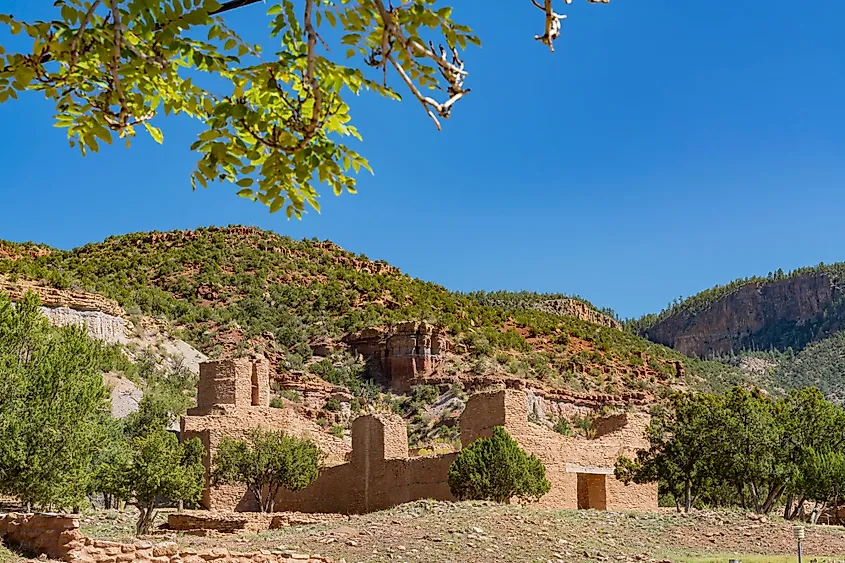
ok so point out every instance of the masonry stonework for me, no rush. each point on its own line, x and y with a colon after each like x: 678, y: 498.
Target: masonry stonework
x: 57, y: 536
x: 233, y: 398
x: 379, y: 473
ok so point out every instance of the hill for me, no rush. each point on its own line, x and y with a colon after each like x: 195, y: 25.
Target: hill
x: 240, y: 290
x: 779, y: 311
x: 782, y: 330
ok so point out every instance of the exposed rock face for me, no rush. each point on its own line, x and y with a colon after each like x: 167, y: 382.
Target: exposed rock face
x: 100, y: 317
x: 739, y: 319
x: 98, y: 325
x: 405, y: 351
x: 562, y: 307
x: 577, y: 309
x: 52, y: 297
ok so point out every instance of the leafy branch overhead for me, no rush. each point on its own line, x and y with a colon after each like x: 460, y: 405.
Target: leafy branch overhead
x: 273, y: 123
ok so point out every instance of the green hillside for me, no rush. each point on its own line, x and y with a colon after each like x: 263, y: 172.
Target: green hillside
x: 229, y: 291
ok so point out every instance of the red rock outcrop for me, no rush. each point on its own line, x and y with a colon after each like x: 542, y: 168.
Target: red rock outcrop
x: 732, y: 322
x: 18, y: 251
x: 406, y: 351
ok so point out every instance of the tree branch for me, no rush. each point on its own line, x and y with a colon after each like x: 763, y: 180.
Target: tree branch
x: 310, y: 72
x: 116, y: 62
x: 75, y: 42
x: 233, y: 5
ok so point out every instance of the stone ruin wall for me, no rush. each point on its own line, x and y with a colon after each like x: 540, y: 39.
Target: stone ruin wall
x: 233, y: 398
x: 379, y: 473
x: 573, y: 465
x: 58, y: 537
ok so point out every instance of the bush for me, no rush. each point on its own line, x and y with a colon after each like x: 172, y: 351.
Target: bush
x: 291, y: 395
x: 332, y: 405
x: 497, y: 469
x: 336, y: 431
x: 562, y: 427
x: 277, y: 403
x: 266, y: 462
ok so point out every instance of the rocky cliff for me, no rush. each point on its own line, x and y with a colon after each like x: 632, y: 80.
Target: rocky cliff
x: 101, y: 318
x: 577, y: 309
x: 761, y: 315
x: 52, y: 297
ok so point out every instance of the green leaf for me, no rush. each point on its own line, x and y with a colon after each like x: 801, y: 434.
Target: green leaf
x: 154, y: 132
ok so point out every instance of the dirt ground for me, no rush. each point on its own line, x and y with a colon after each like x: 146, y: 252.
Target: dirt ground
x: 428, y: 531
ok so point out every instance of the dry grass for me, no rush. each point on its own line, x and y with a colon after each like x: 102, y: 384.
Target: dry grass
x: 428, y: 531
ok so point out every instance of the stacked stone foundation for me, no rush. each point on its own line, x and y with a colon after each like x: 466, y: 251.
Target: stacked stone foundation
x: 58, y: 537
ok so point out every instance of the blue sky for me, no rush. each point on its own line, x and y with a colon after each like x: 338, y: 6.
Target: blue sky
x: 664, y: 148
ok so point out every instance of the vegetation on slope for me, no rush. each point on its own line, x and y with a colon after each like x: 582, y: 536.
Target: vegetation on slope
x: 704, y: 299
x: 236, y: 289
x: 821, y: 365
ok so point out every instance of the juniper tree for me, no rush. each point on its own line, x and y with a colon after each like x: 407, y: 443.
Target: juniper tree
x: 497, y: 469
x: 53, y: 407
x: 162, y: 467
x: 681, y: 455
x: 273, y: 123
x: 266, y: 462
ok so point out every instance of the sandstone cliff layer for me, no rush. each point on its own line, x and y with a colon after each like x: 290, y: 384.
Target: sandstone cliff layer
x: 789, y: 312
x: 52, y: 297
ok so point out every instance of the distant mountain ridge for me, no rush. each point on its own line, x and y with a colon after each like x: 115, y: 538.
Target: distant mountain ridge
x: 778, y: 312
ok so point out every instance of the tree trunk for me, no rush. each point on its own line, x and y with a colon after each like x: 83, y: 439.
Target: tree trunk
x: 755, y: 496
x: 180, y: 506
x: 687, y: 496
x: 772, y: 497
x: 740, y: 491
x: 145, y: 519
x: 787, y: 510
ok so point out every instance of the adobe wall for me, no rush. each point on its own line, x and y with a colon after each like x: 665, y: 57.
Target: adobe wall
x: 565, y: 458
x: 58, y: 537
x: 226, y: 395
x: 379, y: 475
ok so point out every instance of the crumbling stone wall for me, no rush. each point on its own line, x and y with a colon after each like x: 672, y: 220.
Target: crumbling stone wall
x: 232, y: 399
x: 58, y: 537
x: 565, y: 458
x: 380, y: 473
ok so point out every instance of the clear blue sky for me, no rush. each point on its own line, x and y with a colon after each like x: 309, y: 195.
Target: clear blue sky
x: 664, y: 148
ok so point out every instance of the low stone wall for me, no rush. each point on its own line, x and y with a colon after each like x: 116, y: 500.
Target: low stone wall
x: 58, y: 537
x: 240, y: 522
x: 54, y: 535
